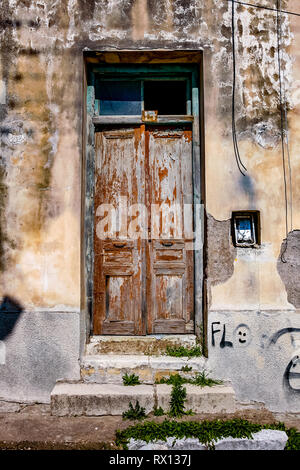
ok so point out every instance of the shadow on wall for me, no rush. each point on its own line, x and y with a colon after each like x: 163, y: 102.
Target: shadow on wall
x: 247, y: 186
x: 10, y: 311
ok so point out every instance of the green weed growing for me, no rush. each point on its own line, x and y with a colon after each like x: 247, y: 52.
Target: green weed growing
x: 201, y: 379
x: 158, y: 411
x: 206, y: 431
x: 182, y: 351
x: 137, y: 412
x: 186, y: 368
x: 178, y: 396
x: 131, y: 379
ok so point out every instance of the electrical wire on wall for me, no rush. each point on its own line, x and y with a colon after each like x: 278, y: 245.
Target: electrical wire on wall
x: 284, y: 131
x: 263, y: 7
x: 240, y: 165
x: 283, y: 111
x: 287, y: 142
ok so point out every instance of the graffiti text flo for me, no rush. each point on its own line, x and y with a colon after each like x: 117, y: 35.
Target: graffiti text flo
x: 241, y: 336
x: 136, y: 221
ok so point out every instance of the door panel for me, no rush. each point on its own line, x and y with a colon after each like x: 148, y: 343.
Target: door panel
x: 170, y: 301
x: 118, y: 260
x: 148, y: 276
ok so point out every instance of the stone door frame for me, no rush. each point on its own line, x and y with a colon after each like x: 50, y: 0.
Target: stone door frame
x: 178, y: 60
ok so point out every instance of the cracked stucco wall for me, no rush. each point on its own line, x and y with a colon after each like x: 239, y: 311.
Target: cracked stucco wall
x: 41, y: 64
x: 41, y: 113
x: 259, y: 137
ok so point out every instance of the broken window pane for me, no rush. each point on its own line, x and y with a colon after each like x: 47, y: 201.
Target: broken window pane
x: 166, y: 97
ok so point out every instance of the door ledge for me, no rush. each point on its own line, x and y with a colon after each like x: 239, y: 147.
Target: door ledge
x: 137, y: 345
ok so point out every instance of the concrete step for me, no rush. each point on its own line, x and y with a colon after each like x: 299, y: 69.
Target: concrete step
x: 137, y: 345
x: 106, y: 368
x: 79, y: 399
x: 83, y: 399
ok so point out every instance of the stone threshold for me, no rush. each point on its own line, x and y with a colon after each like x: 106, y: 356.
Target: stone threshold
x: 137, y: 345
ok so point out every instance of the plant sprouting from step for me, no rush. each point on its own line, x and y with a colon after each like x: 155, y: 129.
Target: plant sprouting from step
x: 183, y: 351
x: 186, y: 369
x: 131, y: 379
x: 137, y: 412
x: 200, y: 378
x: 178, y: 396
x: 158, y: 411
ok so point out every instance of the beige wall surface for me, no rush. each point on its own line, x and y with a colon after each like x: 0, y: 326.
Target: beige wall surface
x: 41, y: 65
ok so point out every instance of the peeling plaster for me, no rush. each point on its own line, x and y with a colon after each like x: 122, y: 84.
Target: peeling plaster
x: 289, y: 268
x: 257, y: 73
x: 220, y: 251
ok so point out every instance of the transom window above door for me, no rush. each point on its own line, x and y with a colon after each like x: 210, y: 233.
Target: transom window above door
x: 124, y: 97
x: 130, y: 93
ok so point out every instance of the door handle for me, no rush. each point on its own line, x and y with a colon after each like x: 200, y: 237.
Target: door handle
x: 119, y: 245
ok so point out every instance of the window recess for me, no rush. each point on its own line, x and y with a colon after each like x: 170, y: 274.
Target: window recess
x: 167, y: 98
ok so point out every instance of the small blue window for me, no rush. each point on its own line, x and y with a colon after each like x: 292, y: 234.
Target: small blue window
x: 243, y: 224
x: 119, y: 97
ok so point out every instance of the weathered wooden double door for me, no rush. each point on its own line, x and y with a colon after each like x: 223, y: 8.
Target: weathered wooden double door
x: 143, y: 261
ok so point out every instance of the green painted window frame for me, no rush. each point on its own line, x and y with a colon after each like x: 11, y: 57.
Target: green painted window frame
x: 188, y: 73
